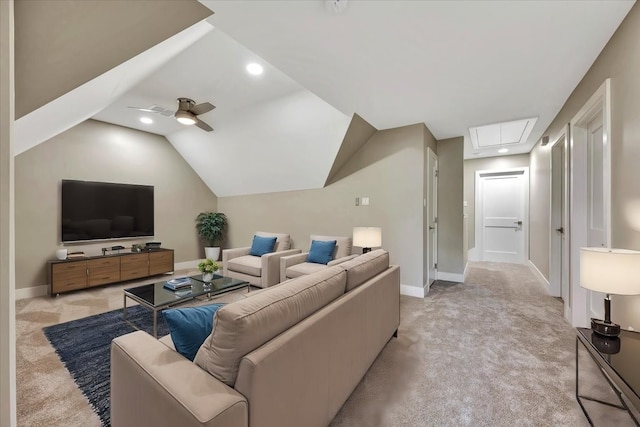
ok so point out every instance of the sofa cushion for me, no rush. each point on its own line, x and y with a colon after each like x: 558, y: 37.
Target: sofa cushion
x: 343, y: 245
x: 189, y: 327
x: 248, y: 264
x: 245, y: 325
x: 303, y: 268
x: 321, y: 251
x: 262, y: 245
x: 283, y: 241
x: 364, y: 267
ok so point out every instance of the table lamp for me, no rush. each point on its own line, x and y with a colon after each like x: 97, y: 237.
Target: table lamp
x: 610, y: 271
x: 367, y: 238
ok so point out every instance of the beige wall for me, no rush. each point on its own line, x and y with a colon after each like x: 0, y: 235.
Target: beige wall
x: 451, y: 257
x: 388, y: 170
x: 620, y: 61
x: 7, y: 254
x: 470, y: 169
x: 97, y: 151
x: 540, y: 208
x: 53, y: 37
x: 358, y: 133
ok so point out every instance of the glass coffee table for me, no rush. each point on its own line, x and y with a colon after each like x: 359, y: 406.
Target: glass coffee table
x: 156, y: 297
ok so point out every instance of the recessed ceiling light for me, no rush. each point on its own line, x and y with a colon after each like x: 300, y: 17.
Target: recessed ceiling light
x: 255, y: 69
x: 146, y: 120
x: 502, y: 150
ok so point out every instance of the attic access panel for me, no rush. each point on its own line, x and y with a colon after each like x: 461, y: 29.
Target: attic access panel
x: 501, y: 134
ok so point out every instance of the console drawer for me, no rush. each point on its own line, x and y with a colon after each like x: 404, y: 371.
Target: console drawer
x: 67, y: 276
x: 97, y: 278
x: 134, y: 273
x: 160, y: 262
x: 134, y: 261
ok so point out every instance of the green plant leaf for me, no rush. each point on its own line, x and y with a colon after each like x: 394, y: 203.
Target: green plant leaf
x: 210, y: 226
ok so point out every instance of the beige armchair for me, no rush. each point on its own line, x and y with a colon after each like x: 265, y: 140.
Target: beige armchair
x: 296, y: 265
x: 262, y: 271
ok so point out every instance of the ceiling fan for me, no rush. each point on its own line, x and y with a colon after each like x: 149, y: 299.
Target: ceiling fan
x: 187, y: 112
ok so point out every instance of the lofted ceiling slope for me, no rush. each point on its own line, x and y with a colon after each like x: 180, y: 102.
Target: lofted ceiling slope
x: 450, y: 65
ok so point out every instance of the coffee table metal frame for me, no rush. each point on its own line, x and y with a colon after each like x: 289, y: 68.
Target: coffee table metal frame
x: 197, y: 289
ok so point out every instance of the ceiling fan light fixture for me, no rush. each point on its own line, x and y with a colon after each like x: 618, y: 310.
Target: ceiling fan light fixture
x: 186, y: 118
x: 146, y: 120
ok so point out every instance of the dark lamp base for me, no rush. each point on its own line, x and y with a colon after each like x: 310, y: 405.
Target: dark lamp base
x: 607, y: 329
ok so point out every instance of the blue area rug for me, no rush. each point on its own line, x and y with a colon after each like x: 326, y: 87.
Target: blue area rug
x: 84, y: 346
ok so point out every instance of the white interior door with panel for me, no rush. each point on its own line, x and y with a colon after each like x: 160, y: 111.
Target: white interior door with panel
x: 596, y: 215
x: 502, y: 215
x: 432, y: 215
x: 590, y: 195
x: 558, y: 242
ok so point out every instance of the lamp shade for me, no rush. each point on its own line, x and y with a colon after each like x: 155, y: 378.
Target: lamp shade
x: 611, y: 271
x: 367, y: 237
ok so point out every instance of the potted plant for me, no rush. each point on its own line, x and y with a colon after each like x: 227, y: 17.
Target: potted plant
x: 210, y: 226
x: 207, y: 267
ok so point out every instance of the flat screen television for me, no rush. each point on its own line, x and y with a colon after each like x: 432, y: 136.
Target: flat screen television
x: 105, y: 211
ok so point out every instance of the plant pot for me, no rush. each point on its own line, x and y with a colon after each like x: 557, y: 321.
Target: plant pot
x: 207, y: 277
x: 61, y: 254
x: 212, y: 253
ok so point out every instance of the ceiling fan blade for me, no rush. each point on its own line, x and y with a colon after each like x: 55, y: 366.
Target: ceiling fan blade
x: 146, y: 110
x: 202, y: 125
x: 205, y: 107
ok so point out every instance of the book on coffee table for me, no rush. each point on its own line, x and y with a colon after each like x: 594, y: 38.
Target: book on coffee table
x: 175, y: 284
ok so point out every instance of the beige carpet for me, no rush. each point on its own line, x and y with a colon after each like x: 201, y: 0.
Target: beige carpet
x: 491, y: 352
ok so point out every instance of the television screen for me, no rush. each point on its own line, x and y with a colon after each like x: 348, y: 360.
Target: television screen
x: 103, y: 210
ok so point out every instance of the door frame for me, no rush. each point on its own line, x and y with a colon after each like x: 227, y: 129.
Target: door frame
x: 559, y: 276
x: 479, y: 222
x: 599, y: 103
x: 431, y: 206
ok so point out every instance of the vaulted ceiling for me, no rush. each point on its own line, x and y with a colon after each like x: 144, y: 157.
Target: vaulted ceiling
x: 451, y: 65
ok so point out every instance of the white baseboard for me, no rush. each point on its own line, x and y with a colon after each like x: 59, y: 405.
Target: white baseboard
x: 450, y: 277
x: 34, y: 291
x: 412, y: 291
x: 186, y: 265
x: 539, y: 275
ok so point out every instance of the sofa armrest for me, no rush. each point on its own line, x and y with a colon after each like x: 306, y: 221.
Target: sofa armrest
x: 229, y: 254
x: 271, y: 266
x: 340, y: 260
x: 288, y: 261
x: 153, y: 385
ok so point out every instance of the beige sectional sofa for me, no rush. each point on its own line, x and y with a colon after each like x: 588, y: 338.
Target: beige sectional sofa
x: 288, y: 355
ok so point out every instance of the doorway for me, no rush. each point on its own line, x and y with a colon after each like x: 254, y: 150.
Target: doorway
x: 559, y: 232
x: 502, y: 199
x: 590, y: 195
x: 432, y: 217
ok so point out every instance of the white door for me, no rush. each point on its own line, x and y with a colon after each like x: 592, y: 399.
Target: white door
x: 502, y: 207
x: 432, y: 215
x: 559, y: 253
x: 590, y: 195
x: 596, y: 222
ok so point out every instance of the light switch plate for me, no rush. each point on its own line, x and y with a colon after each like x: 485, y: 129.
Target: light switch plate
x: 365, y: 201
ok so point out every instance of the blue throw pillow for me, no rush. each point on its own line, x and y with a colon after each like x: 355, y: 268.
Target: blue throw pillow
x: 262, y: 245
x: 189, y: 327
x: 321, y: 251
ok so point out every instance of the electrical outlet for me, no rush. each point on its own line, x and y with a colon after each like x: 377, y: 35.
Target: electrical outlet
x: 365, y: 201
